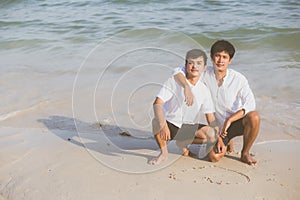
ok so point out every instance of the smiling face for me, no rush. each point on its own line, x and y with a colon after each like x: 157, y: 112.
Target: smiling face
x: 221, y: 54
x: 194, y: 67
x: 221, y: 60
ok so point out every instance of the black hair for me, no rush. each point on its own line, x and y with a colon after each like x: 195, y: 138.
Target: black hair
x: 222, y: 45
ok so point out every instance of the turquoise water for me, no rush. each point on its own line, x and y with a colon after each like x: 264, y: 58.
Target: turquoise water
x: 43, y: 43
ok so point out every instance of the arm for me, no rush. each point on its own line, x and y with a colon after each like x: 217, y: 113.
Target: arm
x: 181, y: 80
x: 236, y: 116
x: 220, y: 147
x: 247, y: 97
x: 159, y: 122
x: 248, y: 104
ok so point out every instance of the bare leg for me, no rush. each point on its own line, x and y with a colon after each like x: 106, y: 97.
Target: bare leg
x: 251, y: 123
x: 203, y: 135
x: 183, y: 145
x: 185, y: 151
x: 163, y: 150
x: 230, y: 147
x: 208, y: 135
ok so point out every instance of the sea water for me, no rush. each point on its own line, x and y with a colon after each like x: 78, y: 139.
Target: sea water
x: 109, y: 58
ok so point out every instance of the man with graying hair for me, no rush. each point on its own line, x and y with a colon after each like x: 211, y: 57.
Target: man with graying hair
x: 175, y: 120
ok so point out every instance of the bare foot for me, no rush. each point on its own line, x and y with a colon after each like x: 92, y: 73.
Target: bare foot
x: 246, y: 158
x: 158, y: 159
x: 230, y: 147
x: 185, y: 151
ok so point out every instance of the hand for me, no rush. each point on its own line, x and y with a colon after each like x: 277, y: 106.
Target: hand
x: 189, y: 97
x: 220, y: 146
x: 226, y: 125
x: 165, y: 133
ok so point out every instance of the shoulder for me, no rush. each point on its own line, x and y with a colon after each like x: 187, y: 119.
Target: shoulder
x: 168, y: 85
x: 235, y: 75
x: 208, y: 74
x: 170, y: 81
x: 179, y: 70
x: 167, y: 89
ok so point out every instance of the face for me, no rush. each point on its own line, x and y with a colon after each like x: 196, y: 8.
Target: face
x: 194, y: 67
x: 221, y: 60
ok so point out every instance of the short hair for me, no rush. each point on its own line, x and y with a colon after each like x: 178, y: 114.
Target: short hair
x: 222, y: 45
x: 196, y: 53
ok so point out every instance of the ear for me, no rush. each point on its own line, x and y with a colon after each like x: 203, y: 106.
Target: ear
x: 185, y: 67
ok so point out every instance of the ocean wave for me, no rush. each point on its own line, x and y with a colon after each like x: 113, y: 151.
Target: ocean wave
x: 5, y: 3
x: 23, y: 44
x: 250, y: 38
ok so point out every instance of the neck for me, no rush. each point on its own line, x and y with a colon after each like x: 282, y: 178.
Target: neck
x: 220, y: 74
x: 220, y: 77
x: 193, y: 80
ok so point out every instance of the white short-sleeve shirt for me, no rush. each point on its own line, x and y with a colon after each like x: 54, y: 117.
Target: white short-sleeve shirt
x: 233, y: 95
x: 175, y: 109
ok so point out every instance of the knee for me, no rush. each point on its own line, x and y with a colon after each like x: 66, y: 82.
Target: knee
x: 253, y: 117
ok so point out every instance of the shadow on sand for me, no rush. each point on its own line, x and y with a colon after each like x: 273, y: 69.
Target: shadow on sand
x: 110, y: 140
x: 76, y: 131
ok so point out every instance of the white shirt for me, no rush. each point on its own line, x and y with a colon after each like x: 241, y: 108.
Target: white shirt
x: 175, y: 109
x: 233, y: 95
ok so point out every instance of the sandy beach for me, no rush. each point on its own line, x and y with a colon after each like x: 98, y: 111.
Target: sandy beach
x: 55, y: 161
x: 78, y: 80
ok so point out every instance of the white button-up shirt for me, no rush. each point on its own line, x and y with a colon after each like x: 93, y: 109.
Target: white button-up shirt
x: 233, y: 95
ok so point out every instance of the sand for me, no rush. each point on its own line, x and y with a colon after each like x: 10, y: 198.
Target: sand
x: 50, y: 159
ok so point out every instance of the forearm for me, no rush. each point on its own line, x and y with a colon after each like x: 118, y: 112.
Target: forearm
x: 181, y: 80
x: 159, y: 118
x: 159, y: 114
x: 236, y: 116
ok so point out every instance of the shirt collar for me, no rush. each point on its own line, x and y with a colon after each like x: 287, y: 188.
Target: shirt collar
x: 226, y: 76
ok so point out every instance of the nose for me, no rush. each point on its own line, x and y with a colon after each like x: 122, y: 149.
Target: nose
x: 220, y: 59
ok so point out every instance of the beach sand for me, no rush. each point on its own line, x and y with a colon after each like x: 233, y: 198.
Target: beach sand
x: 67, y: 62
x: 54, y: 161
